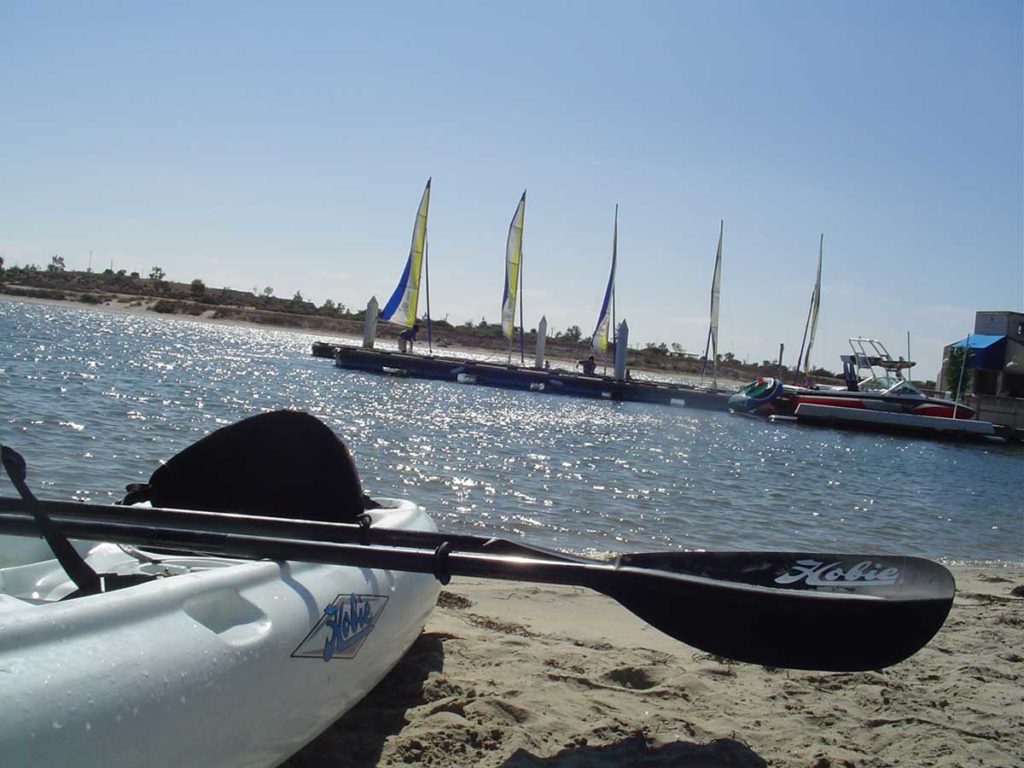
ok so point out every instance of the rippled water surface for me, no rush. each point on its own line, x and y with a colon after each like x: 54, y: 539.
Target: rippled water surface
x: 96, y: 399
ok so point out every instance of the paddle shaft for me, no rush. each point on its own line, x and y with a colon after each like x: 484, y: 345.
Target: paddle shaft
x: 85, y: 578
x: 441, y: 562
x: 252, y: 525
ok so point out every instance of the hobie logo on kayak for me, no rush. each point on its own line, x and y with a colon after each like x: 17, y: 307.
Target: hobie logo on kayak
x: 345, y: 625
x: 817, y: 573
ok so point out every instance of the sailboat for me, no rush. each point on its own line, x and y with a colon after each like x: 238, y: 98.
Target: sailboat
x: 604, y: 333
x: 513, y: 279
x: 803, y: 361
x: 876, y: 396
x: 403, y: 305
x: 716, y: 292
x: 401, y: 308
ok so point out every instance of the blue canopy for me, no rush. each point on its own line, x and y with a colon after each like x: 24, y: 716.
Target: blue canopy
x: 989, y: 351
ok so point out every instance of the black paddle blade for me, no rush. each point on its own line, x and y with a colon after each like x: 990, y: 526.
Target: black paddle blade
x: 837, y: 613
x: 17, y: 470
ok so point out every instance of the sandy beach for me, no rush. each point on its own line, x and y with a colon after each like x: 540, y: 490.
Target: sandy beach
x: 530, y: 675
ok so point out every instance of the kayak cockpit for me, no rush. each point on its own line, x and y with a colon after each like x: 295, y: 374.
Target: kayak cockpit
x: 29, y: 572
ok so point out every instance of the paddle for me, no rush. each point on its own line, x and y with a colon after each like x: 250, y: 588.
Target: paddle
x: 290, y: 528
x: 85, y: 578
x: 795, y: 610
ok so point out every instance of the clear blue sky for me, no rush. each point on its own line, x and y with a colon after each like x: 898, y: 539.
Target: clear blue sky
x: 287, y: 145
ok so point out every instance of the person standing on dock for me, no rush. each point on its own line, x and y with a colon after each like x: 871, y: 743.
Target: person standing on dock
x: 407, y: 337
x: 589, y: 365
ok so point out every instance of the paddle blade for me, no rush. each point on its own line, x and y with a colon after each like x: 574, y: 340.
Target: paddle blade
x: 800, y: 611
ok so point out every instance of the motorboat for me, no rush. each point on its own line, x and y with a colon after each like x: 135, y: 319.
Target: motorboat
x: 875, y: 395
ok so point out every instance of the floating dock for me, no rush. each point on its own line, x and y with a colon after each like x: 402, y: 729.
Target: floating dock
x: 868, y: 420
x: 546, y: 380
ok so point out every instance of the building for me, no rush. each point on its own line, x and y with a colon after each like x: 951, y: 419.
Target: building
x: 995, y: 368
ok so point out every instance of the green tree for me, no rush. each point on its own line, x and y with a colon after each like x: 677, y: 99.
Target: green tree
x: 56, y: 264
x: 156, y: 274
x: 198, y: 288
x: 573, y: 334
x: 268, y: 292
x: 957, y: 379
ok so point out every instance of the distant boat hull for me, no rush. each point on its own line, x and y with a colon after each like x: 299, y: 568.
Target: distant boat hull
x: 755, y: 395
x: 530, y: 379
x: 869, y: 411
x: 893, y: 421
x: 789, y: 399
x: 769, y: 398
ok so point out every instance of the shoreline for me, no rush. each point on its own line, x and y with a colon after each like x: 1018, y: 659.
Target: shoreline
x: 143, y: 307
x: 534, y: 675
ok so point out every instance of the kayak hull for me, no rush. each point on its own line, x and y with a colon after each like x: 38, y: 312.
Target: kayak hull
x: 221, y: 663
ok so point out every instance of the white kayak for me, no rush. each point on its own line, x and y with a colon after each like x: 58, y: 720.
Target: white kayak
x: 218, y: 663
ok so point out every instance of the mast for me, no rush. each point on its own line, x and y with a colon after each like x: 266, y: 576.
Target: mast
x: 426, y: 269
x: 800, y: 355
x: 615, y: 253
x: 812, y: 320
x: 522, y: 324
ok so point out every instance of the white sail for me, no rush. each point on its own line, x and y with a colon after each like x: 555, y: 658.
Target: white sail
x: 716, y: 293
x: 403, y: 304
x: 600, y: 342
x: 513, y: 262
x: 812, y: 318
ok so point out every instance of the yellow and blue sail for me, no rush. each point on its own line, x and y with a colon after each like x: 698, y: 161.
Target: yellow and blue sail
x: 604, y: 332
x: 402, y: 306
x: 513, y: 263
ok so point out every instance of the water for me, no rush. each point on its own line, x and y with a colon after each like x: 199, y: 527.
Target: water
x: 95, y: 400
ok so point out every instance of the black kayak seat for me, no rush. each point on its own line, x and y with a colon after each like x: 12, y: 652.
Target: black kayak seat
x: 278, y: 464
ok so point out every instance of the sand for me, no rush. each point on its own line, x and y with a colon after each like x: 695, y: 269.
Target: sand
x: 531, y: 675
